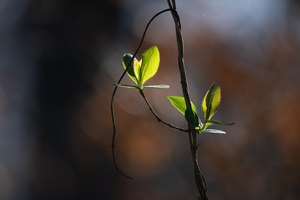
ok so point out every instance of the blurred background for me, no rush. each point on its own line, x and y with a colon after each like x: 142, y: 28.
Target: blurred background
x: 60, y: 58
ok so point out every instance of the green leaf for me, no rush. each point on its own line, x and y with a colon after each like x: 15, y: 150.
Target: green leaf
x: 211, y: 101
x: 204, y: 107
x: 133, y: 69
x: 180, y: 105
x: 137, y: 73
x: 149, y: 64
x: 215, y: 101
x: 206, y: 102
x: 214, y: 131
x: 213, y: 122
x: 157, y: 86
x: 125, y: 86
x: 192, y: 117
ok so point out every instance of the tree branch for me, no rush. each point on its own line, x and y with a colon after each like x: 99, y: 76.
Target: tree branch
x: 200, y: 181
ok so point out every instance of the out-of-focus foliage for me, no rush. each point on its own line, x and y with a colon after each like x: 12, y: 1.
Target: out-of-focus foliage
x: 60, y: 59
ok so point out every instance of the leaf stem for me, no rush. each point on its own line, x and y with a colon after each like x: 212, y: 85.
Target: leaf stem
x: 156, y: 116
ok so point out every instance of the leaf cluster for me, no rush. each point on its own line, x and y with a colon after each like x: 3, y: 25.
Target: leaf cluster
x: 142, y: 70
x: 210, y: 104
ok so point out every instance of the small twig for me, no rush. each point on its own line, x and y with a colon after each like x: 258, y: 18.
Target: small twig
x: 200, y: 181
x: 116, y: 88
x: 157, y: 117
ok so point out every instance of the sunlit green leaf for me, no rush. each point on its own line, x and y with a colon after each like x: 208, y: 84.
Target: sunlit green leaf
x: 211, y: 101
x: 204, y: 107
x: 157, y: 86
x: 150, y: 63
x: 206, y: 102
x: 215, y: 101
x: 133, y: 69
x: 180, y: 105
x: 214, y: 131
x: 137, y: 71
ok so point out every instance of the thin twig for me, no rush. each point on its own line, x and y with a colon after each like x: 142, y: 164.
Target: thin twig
x: 116, y: 88
x: 199, y: 179
x: 157, y: 117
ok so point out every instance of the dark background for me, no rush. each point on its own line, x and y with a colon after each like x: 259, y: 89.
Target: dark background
x: 59, y: 60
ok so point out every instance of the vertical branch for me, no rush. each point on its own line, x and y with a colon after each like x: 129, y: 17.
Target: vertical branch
x: 200, y: 181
